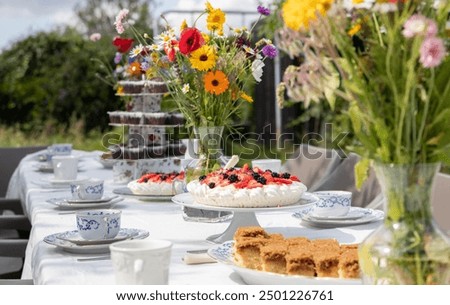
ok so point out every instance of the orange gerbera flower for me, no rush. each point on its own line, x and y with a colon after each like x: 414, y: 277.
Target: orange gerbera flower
x: 134, y: 69
x: 216, y: 82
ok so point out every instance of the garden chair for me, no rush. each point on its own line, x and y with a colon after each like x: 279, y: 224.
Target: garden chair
x: 440, y: 201
x: 343, y: 178
x: 14, y: 225
x: 312, y: 164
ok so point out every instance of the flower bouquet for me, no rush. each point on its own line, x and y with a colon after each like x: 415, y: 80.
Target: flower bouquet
x: 387, y: 59
x: 209, y: 74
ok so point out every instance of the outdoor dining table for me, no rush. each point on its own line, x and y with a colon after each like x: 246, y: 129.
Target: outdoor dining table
x: 47, y: 264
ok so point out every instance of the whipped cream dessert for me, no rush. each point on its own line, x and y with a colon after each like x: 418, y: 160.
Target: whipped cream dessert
x: 246, y: 188
x: 155, y: 184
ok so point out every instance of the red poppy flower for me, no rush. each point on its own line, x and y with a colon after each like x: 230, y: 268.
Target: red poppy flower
x: 170, y: 49
x: 123, y: 45
x: 191, y: 39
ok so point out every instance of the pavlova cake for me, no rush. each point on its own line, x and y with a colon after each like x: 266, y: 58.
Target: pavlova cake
x: 246, y: 188
x: 155, y: 184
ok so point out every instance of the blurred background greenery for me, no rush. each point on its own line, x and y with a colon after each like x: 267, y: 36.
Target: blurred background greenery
x: 52, y: 84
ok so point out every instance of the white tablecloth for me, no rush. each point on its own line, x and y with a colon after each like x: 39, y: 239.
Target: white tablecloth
x: 46, y: 264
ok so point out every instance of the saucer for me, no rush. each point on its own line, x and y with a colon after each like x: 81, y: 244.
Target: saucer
x: 75, y: 237
x: 62, y: 181
x: 88, y: 249
x: 103, y: 199
x: 62, y: 203
x: 369, y: 216
x: 45, y: 168
x: 353, y: 213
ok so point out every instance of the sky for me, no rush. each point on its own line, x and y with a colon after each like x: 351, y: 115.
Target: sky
x: 21, y: 18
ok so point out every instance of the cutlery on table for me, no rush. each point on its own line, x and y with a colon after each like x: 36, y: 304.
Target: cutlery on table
x: 96, y: 258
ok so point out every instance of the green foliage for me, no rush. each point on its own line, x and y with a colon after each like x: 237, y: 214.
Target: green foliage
x: 49, y: 76
x: 51, y: 132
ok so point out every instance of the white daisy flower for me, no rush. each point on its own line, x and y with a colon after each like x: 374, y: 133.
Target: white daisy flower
x: 240, y: 31
x: 136, y: 51
x: 185, y: 88
x: 248, y: 50
x: 257, y: 69
x: 352, y: 4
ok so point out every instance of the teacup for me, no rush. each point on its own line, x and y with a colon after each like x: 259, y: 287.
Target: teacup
x: 332, y: 203
x: 268, y: 164
x: 65, y: 167
x: 58, y: 150
x: 87, y: 190
x: 98, y: 224
x: 141, y: 262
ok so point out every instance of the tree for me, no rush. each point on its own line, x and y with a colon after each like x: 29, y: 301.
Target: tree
x: 98, y: 16
x: 50, y: 76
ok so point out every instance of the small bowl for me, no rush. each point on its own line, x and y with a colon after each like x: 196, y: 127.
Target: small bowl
x: 98, y: 224
x: 332, y: 203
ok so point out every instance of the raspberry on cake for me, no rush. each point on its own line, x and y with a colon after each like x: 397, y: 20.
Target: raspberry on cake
x: 155, y: 184
x: 246, y: 188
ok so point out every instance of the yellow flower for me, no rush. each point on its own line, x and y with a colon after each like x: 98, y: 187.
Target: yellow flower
x: 357, y: 1
x: 355, y: 29
x: 208, y: 6
x: 183, y: 25
x: 297, y: 15
x: 246, y: 97
x: 215, y: 20
x: 203, y: 58
x: 119, y: 90
x: 216, y: 82
x: 206, y: 37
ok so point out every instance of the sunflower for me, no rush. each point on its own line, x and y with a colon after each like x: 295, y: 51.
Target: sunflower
x: 216, y: 82
x: 203, y: 58
x: 297, y: 15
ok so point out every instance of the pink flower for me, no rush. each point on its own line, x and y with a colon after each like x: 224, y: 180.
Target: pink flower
x: 95, y: 37
x: 418, y: 25
x: 432, y: 52
x: 119, y: 20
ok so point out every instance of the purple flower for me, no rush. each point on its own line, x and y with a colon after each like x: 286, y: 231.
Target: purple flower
x: 432, y: 52
x: 263, y: 10
x: 270, y: 51
x: 144, y: 66
x: 117, y: 58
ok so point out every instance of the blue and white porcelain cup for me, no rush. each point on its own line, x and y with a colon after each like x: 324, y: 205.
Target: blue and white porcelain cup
x: 88, y: 190
x: 332, y: 203
x: 98, y: 224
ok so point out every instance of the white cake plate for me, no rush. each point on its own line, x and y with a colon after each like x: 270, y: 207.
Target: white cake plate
x: 242, y: 217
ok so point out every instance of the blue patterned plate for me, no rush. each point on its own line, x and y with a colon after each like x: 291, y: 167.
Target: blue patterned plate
x: 224, y: 254
x: 87, y: 249
x: 353, y: 213
x: 75, y: 237
x: 369, y: 215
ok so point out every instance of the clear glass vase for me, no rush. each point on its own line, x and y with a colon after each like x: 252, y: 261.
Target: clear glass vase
x: 408, y: 248
x: 210, y: 158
